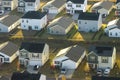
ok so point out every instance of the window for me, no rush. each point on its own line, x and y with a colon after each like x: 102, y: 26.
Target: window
x: 23, y: 54
x: 85, y: 22
x: 69, y: 5
x: 104, y: 59
x: 4, y: 3
x: 116, y: 34
x: 79, y: 22
x: 36, y: 27
x: 24, y: 26
x: 27, y: 21
x: 6, y: 59
x: 57, y: 62
x: 35, y: 55
x: 110, y: 33
x: 92, y: 58
x: 68, y: 10
x: 78, y: 5
x: 30, y: 4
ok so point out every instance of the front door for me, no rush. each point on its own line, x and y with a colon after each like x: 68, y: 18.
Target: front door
x: 30, y: 27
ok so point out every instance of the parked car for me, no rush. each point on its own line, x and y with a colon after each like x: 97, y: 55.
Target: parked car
x: 99, y: 72
x: 63, y: 71
x: 106, y: 72
x: 36, y: 67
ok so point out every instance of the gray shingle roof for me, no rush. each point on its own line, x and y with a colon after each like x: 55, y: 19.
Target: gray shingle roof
x: 75, y: 53
x: 58, y: 3
x: 104, y: 4
x: 34, y: 15
x: 88, y: 16
x: 77, y: 1
x: 64, y: 22
x: 9, y: 20
x: 9, y: 48
x: 102, y: 50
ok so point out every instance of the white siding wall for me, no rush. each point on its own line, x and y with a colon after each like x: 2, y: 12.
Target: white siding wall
x: 14, y: 4
x: 69, y: 64
x: 53, y: 10
x: 114, y: 32
x: 83, y: 7
x: 6, y: 56
x: 29, y: 8
x: 118, y: 5
x: 42, y: 77
x: 104, y: 65
x: 88, y: 25
x: 103, y: 11
x: 34, y: 22
x: 3, y: 28
x: 45, y: 54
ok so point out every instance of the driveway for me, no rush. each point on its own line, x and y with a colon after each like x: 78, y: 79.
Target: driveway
x: 68, y: 74
x: 30, y: 69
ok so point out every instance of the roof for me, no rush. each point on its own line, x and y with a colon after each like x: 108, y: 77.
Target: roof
x: 8, y: 48
x: 58, y: 3
x: 25, y: 76
x: 29, y: 0
x: 75, y: 53
x: 103, y: 4
x: 33, y: 47
x: 64, y: 22
x: 77, y: 1
x: 104, y: 78
x: 34, y: 15
x: 88, y: 16
x: 102, y: 50
x: 9, y: 20
x: 117, y: 1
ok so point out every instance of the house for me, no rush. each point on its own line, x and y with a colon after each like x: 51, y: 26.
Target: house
x: 54, y: 6
x: 28, y: 5
x: 33, y: 54
x: 104, y: 78
x: 9, y: 5
x: 9, y: 23
x: 101, y: 57
x: 34, y: 20
x: 27, y: 76
x: 117, y: 12
x: 8, y: 52
x: 89, y: 22
x: 102, y: 7
x: 113, y: 28
x: 60, y: 26
x: 70, y: 57
x: 76, y: 6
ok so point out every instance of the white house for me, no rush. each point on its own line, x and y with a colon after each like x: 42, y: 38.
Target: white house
x: 102, y: 7
x: 117, y: 12
x: 70, y: 57
x: 101, y: 57
x: 76, y: 6
x: 89, y: 22
x: 54, y: 6
x: 60, y: 26
x: 27, y: 76
x: 113, y: 28
x: 8, y: 23
x: 28, y: 5
x: 8, y: 52
x: 33, y: 54
x: 9, y: 5
x: 34, y: 20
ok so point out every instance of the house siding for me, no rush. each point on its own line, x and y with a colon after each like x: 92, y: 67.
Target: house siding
x: 114, y: 32
x: 3, y: 28
x: 88, y: 25
x: 40, y: 23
